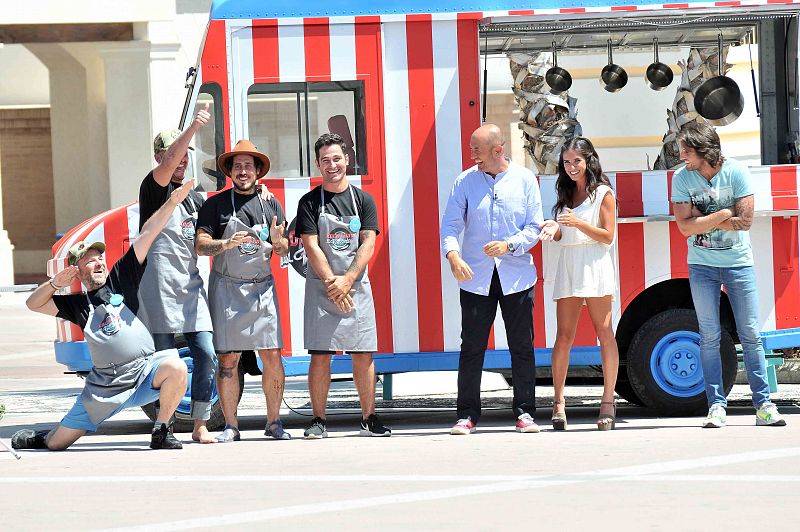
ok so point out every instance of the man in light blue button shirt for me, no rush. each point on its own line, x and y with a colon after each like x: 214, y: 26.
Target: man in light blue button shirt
x: 498, y: 207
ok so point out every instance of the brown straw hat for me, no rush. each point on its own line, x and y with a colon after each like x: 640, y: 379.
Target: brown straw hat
x: 244, y: 147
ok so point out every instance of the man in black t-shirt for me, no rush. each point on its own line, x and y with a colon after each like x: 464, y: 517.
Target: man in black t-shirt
x: 127, y: 369
x: 173, y: 298
x: 338, y: 224
x: 241, y: 231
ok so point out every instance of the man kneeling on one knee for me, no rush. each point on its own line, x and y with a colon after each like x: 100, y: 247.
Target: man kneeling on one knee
x: 127, y: 371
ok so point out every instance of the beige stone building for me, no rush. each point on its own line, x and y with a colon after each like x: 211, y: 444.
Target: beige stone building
x: 86, y: 83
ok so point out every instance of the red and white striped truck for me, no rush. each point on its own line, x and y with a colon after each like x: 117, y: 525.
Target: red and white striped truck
x: 402, y: 81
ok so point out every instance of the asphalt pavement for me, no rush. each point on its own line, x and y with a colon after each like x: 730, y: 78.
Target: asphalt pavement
x: 650, y: 473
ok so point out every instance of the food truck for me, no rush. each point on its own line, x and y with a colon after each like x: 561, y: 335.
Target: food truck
x: 404, y: 83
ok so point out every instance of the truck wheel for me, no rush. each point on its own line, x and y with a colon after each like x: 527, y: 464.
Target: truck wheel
x: 183, y: 420
x: 664, y: 367
x: 625, y: 390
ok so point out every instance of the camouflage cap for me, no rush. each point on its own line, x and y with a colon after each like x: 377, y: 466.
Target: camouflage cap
x: 81, y: 248
x: 164, y: 139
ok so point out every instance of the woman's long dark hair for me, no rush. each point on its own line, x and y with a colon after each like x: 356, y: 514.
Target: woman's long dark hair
x: 565, y: 186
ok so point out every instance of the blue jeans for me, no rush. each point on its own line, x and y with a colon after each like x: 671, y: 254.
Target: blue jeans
x: 204, y: 362
x: 740, y: 283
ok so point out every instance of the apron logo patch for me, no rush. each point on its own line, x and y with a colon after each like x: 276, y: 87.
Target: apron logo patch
x: 187, y: 229
x: 250, y: 245
x: 355, y: 224
x: 339, y: 239
x: 110, y: 325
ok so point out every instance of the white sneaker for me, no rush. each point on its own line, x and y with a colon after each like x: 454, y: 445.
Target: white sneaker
x: 716, y: 417
x: 767, y: 414
x: 525, y: 423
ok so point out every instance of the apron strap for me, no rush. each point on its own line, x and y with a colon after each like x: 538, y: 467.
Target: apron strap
x: 260, y: 202
x: 352, y: 199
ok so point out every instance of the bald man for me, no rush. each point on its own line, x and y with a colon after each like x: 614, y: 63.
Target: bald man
x: 498, y: 207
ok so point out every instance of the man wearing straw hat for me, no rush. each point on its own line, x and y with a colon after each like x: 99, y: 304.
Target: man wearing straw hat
x: 241, y: 231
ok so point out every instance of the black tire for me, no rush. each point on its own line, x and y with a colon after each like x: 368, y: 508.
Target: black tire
x: 183, y: 422
x: 664, y: 364
x: 626, y: 391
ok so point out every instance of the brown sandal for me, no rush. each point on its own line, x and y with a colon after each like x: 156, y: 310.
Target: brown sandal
x: 559, y: 419
x: 607, y: 421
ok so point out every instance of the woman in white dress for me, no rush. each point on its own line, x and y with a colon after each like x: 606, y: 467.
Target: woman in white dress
x: 585, y: 225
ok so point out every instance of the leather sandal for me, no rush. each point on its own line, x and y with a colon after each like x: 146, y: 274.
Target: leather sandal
x: 607, y: 421
x: 559, y: 419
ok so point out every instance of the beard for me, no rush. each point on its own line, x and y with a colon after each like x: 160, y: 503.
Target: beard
x: 248, y: 188
x: 93, y: 281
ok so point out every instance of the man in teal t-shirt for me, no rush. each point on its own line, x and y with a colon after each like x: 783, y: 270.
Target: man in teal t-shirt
x: 713, y: 205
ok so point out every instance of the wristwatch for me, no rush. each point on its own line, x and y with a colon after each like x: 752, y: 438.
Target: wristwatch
x: 511, y: 246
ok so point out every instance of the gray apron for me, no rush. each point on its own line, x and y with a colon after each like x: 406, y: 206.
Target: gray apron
x: 241, y: 289
x: 171, y: 294
x: 120, y: 345
x: 326, y: 327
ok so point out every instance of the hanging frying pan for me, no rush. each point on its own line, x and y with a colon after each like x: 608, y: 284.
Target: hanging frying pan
x: 613, y: 77
x: 557, y: 79
x: 719, y: 99
x: 658, y: 76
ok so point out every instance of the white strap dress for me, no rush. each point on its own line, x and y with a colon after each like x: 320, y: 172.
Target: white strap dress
x: 585, y: 266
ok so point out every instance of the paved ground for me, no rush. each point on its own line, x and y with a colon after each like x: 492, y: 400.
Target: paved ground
x: 649, y: 474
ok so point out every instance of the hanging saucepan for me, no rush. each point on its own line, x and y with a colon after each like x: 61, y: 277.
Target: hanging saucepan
x: 719, y: 99
x: 557, y: 79
x: 613, y: 77
x: 658, y: 76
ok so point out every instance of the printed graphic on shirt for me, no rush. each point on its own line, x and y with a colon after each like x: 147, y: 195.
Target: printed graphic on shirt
x: 249, y: 245
x: 110, y: 324
x: 187, y: 229
x: 708, y: 201
x: 339, y: 239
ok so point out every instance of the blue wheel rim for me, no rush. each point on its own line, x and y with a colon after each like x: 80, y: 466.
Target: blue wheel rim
x: 185, y: 407
x: 675, y: 364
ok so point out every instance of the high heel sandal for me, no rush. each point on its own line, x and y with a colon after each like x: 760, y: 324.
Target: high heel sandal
x: 607, y: 421
x: 559, y: 419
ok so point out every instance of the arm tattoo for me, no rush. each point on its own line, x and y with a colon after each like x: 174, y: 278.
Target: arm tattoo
x: 225, y: 373
x: 214, y: 247
x: 737, y: 224
x: 743, y: 214
x: 354, y: 267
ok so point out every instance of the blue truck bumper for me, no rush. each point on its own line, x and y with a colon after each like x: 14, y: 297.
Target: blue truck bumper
x: 74, y: 355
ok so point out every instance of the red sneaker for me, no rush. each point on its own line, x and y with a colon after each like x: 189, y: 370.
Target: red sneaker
x: 525, y: 423
x: 463, y: 427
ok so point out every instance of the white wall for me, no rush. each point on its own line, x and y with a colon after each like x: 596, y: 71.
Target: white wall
x: 25, y: 78
x: 620, y: 123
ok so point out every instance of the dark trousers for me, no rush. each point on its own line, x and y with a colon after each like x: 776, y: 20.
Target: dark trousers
x: 477, y: 315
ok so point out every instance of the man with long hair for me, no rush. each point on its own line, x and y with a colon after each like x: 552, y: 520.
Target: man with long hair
x: 713, y: 205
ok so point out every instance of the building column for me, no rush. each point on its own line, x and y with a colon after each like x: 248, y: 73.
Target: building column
x: 129, y: 124
x: 78, y: 130
x: 6, y: 247
x: 168, y: 67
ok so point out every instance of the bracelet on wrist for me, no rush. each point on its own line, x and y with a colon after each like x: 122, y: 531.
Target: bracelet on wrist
x: 54, y: 285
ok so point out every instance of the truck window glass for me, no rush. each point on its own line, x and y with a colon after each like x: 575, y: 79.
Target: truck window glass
x: 275, y: 129
x: 208, y: 141
x: 285, y: 119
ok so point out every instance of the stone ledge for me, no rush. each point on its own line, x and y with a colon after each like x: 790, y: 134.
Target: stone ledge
x: 787, y: 373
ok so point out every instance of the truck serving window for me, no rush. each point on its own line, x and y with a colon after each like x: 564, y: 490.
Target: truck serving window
x: 285, y: 119
x: 209, y: 141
